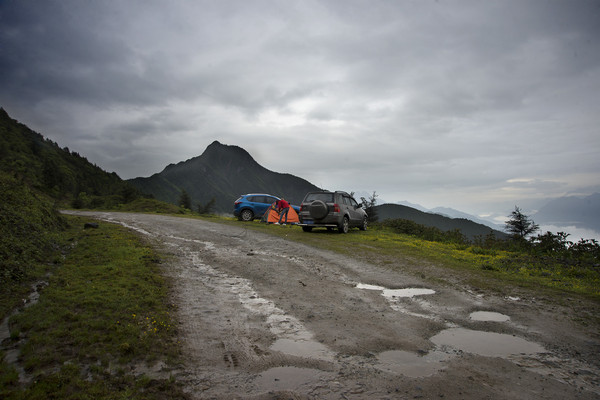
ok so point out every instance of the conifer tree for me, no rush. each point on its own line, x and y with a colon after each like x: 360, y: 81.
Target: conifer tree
x: 184, y: 200
x: 519, y: 226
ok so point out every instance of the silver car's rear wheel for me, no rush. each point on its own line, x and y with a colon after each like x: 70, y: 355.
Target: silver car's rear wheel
x: 345, y: 226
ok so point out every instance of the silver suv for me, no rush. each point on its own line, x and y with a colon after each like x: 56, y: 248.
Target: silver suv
x: 331, y: 210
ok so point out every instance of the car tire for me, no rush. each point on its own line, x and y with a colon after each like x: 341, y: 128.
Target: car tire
x: 307, y: 228
x: 246, y: 215
x: 363, y: 226
x: 318, y: 209
x: 345, y: 225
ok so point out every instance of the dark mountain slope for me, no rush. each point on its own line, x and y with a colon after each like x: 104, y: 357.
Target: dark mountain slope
x: 41, y: 164
x: 222, y: 172
x: 468, y: 228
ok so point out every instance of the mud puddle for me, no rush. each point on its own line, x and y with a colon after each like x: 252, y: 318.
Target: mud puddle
x: 488, y: 316
x: 303, y: 348
x: 393, y: 293
x: 401, y: 300
x: 12, y: 350
x: 451, y: 342
x: 411, y: 364
x: 293, y: 379
x: 489, y: 344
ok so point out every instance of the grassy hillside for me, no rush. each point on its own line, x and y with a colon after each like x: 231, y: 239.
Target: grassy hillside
x: 61, y: 174
x: 28, y: 221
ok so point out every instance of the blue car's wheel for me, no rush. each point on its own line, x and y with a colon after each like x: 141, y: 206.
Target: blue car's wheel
x: 246, y: 215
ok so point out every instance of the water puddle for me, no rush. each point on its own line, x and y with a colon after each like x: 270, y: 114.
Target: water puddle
x: 448, y: 342
x: 12, y: 350
x: 488, y: 316
x: 303, y: 348
x: 393, y: 293
x: 411, y: 364
x: 489, y: 344
x: 292, y: 379
x: 397, y: 297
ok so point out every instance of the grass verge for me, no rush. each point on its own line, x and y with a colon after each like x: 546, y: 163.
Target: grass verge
x: 100, y: 325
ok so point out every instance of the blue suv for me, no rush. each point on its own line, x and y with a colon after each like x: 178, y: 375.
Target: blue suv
x: 254, y: 205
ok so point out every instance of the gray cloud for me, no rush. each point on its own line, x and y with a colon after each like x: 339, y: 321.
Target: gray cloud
x: 469, y: 104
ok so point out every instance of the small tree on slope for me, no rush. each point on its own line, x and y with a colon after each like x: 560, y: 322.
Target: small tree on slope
x: 519, y: 226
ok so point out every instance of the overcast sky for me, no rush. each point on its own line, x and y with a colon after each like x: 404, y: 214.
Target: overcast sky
x: 474, y: 105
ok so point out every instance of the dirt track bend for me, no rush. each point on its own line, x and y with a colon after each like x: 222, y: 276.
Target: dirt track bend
x: 265, y: 318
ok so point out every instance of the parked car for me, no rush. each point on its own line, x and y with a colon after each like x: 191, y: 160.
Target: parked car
x: 252, y: 206
x: 331, y: 210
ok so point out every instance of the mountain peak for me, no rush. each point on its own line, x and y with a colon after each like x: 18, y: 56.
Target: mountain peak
x: 218, y: 152
x: 222, y: 172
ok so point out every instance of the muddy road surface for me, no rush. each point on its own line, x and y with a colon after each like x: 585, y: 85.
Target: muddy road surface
x: 265, y: 318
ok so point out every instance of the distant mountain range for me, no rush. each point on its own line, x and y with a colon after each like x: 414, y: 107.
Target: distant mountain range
x: 468, y: 228
x: 224, y: 173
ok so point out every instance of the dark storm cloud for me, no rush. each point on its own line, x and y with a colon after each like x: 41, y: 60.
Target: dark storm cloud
x: 454, y: 102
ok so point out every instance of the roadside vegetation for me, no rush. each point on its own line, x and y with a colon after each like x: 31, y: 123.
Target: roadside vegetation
x: 103, y: 319
x: 102, y: 322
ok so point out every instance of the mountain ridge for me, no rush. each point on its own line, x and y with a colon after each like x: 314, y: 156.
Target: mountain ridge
x: 223, y: 173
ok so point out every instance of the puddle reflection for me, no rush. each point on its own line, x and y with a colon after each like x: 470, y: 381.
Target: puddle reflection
x: 392, y: 293
x: 489, y: 344
x: 303, y: 348
x: 411, y: 364
x: 489, y: 316
x: 290, y: 378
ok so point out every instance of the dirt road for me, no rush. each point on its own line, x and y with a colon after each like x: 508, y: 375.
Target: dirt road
x: 265, y: 318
